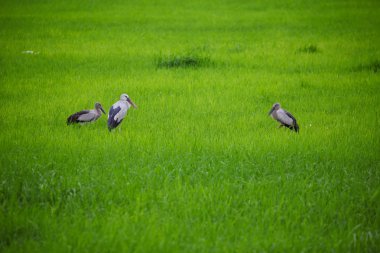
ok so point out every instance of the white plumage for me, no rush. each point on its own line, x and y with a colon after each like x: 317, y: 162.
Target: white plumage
x: 118, y: 111
x: 123, y: 110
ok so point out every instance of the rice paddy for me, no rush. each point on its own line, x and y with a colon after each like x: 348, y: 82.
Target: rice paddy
x: 199, y: 166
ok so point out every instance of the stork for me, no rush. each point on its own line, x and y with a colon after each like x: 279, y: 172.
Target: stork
x: 86, y: 115
x: 285, y: 118
x: 118, y: 111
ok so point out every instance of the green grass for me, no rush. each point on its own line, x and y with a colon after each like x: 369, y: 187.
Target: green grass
x: 199, y: 166
x: 189, y: 60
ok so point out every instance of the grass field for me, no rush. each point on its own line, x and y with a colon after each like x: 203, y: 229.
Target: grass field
x: 199, y: 166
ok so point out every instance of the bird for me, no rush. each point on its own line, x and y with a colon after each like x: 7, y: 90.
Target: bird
x: 86, y: 115
x: 285, y: 118
x: 118, y: 111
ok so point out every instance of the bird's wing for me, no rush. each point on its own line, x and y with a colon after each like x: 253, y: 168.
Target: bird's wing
x: 117, y: 111
x: 113, y: 111
x: 284, y: 118
x: 89, y: 116
x: 295, y: 125
x: 290, y: 115
x: 74, y: 117
x: 116, y: 115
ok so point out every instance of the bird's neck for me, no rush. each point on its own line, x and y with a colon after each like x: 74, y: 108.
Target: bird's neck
x: 126, y: 103
x: 98, y: 111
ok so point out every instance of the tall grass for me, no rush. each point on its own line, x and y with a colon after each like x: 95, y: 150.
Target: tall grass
x: 199, y: 166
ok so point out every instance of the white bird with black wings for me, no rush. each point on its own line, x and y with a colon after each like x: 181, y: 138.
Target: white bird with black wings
x: 118, y: 111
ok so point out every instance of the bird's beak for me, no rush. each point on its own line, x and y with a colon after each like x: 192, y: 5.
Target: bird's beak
x: 133, y: 104
x: 271, y: 110
x: 101, y: 108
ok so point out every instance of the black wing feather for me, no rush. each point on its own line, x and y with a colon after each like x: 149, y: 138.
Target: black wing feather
x: 111, y: 115
x: 74, y: 117
x: 295, y: 126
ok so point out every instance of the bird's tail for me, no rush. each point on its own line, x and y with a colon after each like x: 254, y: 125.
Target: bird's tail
x: 70, y: 120
x: 296, y: 127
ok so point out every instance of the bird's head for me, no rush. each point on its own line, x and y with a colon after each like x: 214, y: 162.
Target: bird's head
x: 125, y: 98
x: 98, y: 106
x: 275, y: 107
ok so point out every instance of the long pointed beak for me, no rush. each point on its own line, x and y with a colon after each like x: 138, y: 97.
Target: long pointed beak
x: 133, y: 104
x: 271, y: 110
x: 101, y: 108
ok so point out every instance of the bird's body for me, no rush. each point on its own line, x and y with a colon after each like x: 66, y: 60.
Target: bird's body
x: 285, y: 118
x: 86, y: 116
x: 118, y: 111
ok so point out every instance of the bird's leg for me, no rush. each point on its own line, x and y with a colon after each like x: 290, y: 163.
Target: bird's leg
x: 280, y: 126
